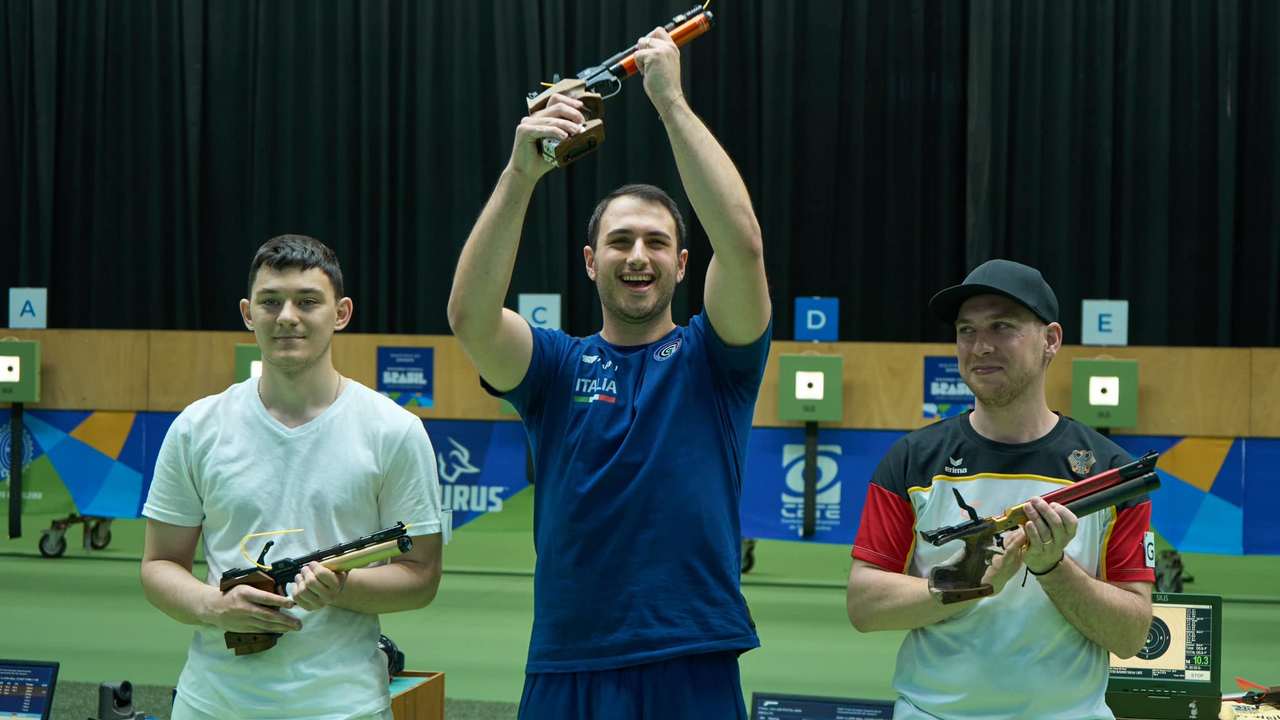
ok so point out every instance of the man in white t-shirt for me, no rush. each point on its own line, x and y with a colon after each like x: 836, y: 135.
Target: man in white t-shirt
x: 300, y: 447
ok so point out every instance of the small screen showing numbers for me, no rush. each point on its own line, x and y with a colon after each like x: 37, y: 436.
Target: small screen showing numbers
x: 1178, y: 647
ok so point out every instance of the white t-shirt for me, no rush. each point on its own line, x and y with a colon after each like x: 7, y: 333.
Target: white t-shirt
x: 229, y: 467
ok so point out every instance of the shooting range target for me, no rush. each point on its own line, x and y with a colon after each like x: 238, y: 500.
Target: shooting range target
x: 1158, y: 640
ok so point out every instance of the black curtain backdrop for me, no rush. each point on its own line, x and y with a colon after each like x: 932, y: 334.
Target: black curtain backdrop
x: 1129, y: 150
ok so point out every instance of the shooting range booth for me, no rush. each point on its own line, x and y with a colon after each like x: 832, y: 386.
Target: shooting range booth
x: 19, y: 384
x: 810, y: 390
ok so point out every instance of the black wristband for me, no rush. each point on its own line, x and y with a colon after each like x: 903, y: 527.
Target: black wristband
x: 1051, y: 567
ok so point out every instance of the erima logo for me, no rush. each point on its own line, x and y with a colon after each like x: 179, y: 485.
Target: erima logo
x: 955, y: 466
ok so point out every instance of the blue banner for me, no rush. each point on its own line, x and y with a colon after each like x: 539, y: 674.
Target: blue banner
x: 101, y: 463
x: 1261, y: 497
x: 773, y: 490
x: 480, y: 464
x: 945, y: 392
x: 405, y: 375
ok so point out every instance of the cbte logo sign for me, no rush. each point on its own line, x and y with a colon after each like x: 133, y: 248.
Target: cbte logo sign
x: 827, y: 503
x: 452, y: 464
x: 27, y: 452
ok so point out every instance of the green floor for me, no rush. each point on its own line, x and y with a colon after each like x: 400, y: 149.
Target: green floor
x: 86, y: 610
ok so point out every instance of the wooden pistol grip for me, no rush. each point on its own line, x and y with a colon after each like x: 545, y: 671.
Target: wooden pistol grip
x: 250, y: 643
x: 962, y: 579
x: 577, y: 89
x: 564, y: 152
x: 947, y: 597
x: 259, y: 580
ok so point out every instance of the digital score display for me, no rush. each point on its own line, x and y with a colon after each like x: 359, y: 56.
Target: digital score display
x: 26, y: 690
x: 1179, y: 646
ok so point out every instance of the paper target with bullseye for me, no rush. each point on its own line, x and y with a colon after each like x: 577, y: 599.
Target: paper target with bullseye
x: 1158, y: 640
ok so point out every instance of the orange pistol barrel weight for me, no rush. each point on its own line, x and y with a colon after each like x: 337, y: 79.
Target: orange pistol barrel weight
x: 688, y: 30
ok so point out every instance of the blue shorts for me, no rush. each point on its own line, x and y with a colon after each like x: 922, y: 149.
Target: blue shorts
x: 693, y: 687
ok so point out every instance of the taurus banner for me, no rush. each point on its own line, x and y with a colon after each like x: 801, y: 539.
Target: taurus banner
x: 481, y: 464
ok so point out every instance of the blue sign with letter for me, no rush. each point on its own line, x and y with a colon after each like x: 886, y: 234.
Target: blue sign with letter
x: 1104, y: 322
x: 540, y: 309
x: 28, y: 307
x: 404, y: 375
x: 818, y: 318
x: 945, y: 392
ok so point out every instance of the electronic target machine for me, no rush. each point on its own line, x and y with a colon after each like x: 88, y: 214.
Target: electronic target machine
x: 1178, y: 672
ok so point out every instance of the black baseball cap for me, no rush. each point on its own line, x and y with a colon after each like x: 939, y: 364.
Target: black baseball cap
x: 1016, y: 281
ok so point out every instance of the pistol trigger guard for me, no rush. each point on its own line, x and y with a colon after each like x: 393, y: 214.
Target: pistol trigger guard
x: 615, y: 87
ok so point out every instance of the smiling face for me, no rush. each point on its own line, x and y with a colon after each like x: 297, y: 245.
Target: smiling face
x: 293, y: 314
x: 636, y: 264
x: 1003, y: 348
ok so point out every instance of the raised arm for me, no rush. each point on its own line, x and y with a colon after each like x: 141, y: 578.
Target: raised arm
x: 736, y: 295
x: 498, y: 341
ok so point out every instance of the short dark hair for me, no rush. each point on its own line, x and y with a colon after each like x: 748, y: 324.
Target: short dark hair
x: 648, y: 193
x: 299, y: 252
